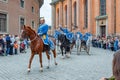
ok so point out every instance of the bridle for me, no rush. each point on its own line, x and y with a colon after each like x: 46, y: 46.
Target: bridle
x: 33, y: 38
x: 23, y: 31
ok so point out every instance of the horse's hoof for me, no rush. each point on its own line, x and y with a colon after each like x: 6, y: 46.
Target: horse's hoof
x: 56, y: 63
x: 68, y: 55
x: 41, y: 69
x: 62, y: 57
x: 48, y: 67
x: 28, y: 69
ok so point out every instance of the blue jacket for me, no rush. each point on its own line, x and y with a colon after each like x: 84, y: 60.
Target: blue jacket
x: 56, y: 33
x: 80, y: 35
x: 43, y: 29
x: 65, y: 30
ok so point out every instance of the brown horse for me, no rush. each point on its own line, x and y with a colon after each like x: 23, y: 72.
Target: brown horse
x: 37, y: 46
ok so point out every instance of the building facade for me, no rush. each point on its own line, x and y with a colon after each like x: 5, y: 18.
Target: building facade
x: 15, y: 13
x: 100, y: 17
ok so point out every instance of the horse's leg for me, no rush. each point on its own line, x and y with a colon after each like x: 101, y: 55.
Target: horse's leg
x: 30, y: 61
x: 77, y: 48
x: 54, y: 54
x: 67, y: 53
x: 48, y: 56
x: 40, y: 57
x: 71, y: 47
x: 61, y: 47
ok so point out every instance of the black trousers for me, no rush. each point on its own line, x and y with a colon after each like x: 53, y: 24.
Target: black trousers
x: 15, y: 51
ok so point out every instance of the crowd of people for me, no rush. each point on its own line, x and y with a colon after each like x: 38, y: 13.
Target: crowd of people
x: 111, y: 42
x: 12, y: 44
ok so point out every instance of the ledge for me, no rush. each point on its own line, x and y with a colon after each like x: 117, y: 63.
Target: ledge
x: 55, y: 2
x: 102, y: 17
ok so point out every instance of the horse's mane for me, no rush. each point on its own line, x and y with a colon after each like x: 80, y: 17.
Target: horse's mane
x: 29, y: 28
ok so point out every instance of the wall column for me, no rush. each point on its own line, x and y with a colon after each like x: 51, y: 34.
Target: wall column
x: 61, y: 13
x: 53, y: 18
x: 106, y: 27
x: 89, y: 16
x: 78, y: 14
x: 97, y: 28
x: 69, y: 15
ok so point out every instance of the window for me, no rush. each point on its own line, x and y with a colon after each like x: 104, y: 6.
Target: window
x: 102, y: 7
x: 3, y: 22
x: 4, y: 1
x: 86, y: 14
x: 33, y: 24
x: 22, y: 22
x: 32, y: 9
x: 22, y: 3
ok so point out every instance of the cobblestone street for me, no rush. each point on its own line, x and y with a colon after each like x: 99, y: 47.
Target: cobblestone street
x: 78, y: 67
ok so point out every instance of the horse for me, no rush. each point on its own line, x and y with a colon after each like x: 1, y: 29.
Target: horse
x: 78, y: 43
x: 85, y: 45
x: 64, y: 44
x: 37, y: 47
x: 81, y: 43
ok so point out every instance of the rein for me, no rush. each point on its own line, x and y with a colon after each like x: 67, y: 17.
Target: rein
x: 34, y: 38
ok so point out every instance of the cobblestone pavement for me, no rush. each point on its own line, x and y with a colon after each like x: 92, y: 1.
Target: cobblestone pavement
x: 78, y: 67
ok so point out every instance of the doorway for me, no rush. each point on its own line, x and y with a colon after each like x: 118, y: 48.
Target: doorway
x: 103, y: 31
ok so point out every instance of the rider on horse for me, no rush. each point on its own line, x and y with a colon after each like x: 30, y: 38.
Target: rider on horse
x: 42, y: 32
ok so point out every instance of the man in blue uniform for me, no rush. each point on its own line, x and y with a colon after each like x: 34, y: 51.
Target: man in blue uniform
x: 42, y: 31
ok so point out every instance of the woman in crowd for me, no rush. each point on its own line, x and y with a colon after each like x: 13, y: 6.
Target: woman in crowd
x: 115, y: 67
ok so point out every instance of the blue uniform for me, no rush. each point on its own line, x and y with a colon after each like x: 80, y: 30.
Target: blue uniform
x: 80, y: 35
x: 42, y: 31
x: 56, y: 33
x: 70, y: 36
x: 116, y: 45
x: 64, y: 30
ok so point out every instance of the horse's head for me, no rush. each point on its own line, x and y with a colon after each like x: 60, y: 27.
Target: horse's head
x: 24, y: 32
x: 27, y: 32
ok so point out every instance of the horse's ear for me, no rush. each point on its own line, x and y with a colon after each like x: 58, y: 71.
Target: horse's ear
x: 23, y: 27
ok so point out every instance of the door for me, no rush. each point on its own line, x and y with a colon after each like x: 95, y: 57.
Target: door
x: 103, y: 31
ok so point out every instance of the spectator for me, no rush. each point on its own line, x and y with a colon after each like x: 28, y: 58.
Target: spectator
x: 116, y: 44
x: 8, y: 42
x: 2, y: 46
x: 112, y: 44
x: 15, y: 47
x: 115, y: 67
x: 119, y: 44
x: 12, y: 44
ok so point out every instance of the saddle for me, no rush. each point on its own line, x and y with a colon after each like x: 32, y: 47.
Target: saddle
x: 48, y: 43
